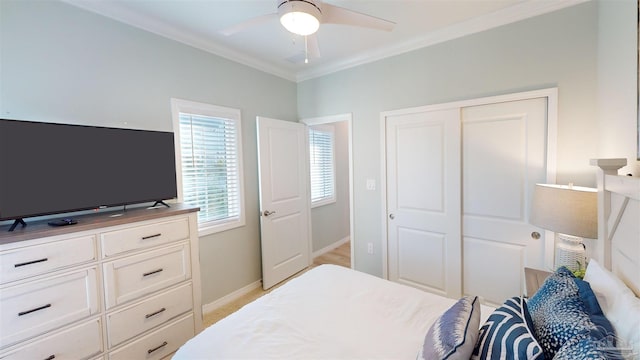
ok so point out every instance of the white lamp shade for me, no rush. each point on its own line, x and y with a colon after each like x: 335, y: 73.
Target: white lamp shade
x: 565, y: 209
x: 300, y: 17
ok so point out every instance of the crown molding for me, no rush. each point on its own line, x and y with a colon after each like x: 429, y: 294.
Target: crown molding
x: 515, y: 13
x: 518, y: 12
x: 119, y: 13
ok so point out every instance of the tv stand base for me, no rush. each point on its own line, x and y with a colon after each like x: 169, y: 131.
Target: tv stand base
x: 15, y: 223
x: 160, y: 202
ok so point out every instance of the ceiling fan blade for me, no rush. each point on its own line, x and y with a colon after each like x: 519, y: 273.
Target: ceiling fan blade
x: 332, y: 14
x: 248, y: 24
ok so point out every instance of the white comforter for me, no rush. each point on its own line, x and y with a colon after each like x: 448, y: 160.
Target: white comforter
x: 330, y: 312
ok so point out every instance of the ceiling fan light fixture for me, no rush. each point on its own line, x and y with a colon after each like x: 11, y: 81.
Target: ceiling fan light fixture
x: 300, y: 17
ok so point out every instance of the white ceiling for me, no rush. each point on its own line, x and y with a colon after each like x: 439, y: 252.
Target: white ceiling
x: 268, y: 46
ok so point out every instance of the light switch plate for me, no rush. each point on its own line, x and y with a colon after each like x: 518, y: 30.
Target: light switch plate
x: 371, y: 184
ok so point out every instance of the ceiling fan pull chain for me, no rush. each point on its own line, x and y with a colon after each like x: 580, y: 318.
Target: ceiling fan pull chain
x: 306, y: 50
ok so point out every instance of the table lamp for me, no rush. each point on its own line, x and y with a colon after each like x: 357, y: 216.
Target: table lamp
x: 571, y: 212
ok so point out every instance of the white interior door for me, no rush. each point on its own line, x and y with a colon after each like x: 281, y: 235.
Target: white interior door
x: 504, y: 156
x: 423, y: 200
x: 284, y: 199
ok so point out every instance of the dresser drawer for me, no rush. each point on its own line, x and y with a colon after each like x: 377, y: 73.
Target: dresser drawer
x: 127, y: 323
x: 159, y: 343
x: 140, y: 237
x: 136, y: 276
x: 79, y: 342
x: 36, y: 307
x: 39, y: 259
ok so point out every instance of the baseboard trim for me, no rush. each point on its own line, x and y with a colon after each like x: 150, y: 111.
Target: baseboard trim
x: 331, y: 247
x: 230, y: 297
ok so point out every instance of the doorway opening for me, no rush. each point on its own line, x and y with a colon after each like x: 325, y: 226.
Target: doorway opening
x: 332, y: 221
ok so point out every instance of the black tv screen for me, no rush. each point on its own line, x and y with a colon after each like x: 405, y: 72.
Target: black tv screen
x: 50, y: 168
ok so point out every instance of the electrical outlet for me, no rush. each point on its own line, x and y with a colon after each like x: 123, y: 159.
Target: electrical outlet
x: 370, y: 248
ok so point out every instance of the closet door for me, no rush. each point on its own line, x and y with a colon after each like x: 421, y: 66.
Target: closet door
x: 423, y: 200
x: 503, y: 157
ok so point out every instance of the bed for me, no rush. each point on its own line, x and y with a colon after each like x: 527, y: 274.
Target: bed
x: 329, y: 312
x: 332, y: 312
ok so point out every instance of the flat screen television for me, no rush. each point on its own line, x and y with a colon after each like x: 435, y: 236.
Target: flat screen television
x: 48, y: 168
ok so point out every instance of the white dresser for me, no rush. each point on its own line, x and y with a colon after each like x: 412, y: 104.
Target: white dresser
x: 109, y: 287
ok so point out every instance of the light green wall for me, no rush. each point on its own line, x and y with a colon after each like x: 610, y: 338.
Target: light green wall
x: 59, y: 63
x: 556, y: 49
x: 617, y: 82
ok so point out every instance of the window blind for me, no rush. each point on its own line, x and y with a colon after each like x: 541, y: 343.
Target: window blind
x: 210, y: 171
x: 321, y: 155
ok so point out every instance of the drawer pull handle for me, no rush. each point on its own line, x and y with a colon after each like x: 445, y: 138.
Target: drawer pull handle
x: 31, y: 262
x: 157, y: 348
x: 34, y: 310
x: 151, y: 236
x: 152, y: 272
x: 154, y: 313
x: 51, y: 357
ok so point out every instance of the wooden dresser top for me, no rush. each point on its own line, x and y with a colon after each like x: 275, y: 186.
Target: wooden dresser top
x: 41, y: 228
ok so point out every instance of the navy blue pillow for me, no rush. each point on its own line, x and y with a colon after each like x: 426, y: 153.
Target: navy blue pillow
x: 559, y: 314
x: 594, y: 311
x: 508, y: 334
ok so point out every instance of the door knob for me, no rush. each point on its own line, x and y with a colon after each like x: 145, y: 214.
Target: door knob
x: 391, y: 216
x: 535, y: 235
x: 267, y: 213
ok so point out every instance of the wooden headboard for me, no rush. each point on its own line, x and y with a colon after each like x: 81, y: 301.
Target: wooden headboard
x: 618, y: 243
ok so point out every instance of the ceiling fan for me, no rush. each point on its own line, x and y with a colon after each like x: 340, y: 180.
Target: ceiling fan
x: 303, y: 17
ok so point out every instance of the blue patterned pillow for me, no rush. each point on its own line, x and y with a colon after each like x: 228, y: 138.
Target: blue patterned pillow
x: 453, y: 335
x: 559, y: 315
x: 508, y: 334
x: 584, y: 347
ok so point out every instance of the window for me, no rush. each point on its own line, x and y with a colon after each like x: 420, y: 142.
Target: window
x: 209, y: 157
x: 321, y: 158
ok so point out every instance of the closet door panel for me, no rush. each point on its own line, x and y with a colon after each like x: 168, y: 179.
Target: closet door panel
x: 423, y: 190
x: 494, y: 167
x: 503, y: 157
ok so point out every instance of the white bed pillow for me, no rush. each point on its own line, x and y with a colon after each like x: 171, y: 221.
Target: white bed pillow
x: 618, y: 303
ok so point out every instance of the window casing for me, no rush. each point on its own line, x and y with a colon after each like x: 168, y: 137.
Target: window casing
x: 322, y: 165
x: 209, y: 163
